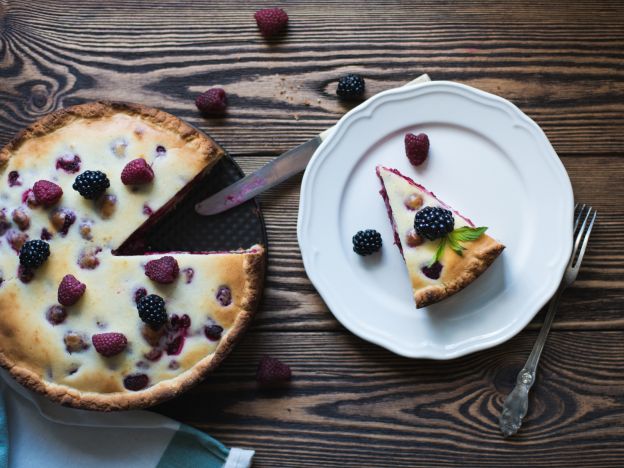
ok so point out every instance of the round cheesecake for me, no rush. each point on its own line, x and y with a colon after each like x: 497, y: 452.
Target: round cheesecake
x: 100, y: 323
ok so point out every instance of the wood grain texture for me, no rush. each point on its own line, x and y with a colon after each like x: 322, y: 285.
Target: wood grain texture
x: 352, y: 403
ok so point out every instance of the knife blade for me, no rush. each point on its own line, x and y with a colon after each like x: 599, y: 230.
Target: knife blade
x: 271, y: 174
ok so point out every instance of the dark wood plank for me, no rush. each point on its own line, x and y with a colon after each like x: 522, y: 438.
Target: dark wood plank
x: 353, y: 404
x: 566, y: 70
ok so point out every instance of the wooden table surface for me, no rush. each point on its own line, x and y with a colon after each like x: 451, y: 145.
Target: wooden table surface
x: 352, y: 403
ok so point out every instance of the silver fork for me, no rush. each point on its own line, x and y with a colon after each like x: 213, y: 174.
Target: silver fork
x: 517, y: 402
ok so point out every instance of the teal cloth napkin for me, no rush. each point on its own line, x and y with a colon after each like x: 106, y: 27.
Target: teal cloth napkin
x: 37, y: 432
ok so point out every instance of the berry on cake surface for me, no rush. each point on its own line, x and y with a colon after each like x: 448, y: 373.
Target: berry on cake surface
x: 434, y: 222
x: 152, y: 310
x: 34, y: 253
x: 164, y: 270
x: 351, y: 86
x: 91, y: 184
x: 212, y: 101
x: 137, y: 172
x: 70, y: 290
x: 271, y: 21
x: 366, y: 242
x: 416, y: 148
x: 110, y: 343
x: 47, y: 193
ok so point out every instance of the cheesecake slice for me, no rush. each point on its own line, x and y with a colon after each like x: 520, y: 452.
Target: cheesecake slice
x: 444, y: 252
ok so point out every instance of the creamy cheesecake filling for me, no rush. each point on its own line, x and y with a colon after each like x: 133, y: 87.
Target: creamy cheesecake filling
x: 54, y: 342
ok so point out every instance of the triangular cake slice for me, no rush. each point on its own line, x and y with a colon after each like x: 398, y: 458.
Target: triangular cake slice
x: 435, y: 272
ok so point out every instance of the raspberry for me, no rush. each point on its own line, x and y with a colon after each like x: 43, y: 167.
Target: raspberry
x: 152, y: 310
x: 366, y: 242
x: 136, y: 382
x: 272, y: 371
x: 416, y: 148
x: 34, y: 253
x: 433, y: 222
x: 91, y: 184
x: 69, y: 163
x: 271, y: 21
x: 137, y: 172
x: 70, y: 290
x: 47, y: 193
x: 351, y: 86
x: 212, y: 102
x: 164, y: 270
x: 109, y: 344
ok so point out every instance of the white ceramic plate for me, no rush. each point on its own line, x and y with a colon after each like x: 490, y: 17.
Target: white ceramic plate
x: 489, y: 161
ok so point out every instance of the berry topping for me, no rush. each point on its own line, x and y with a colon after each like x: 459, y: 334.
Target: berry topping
x: 109, y: 344
x: 70, y: 290
x: 160, y: 150
x: 147, y: 211
x: 34, y: 253
x: 180, y: 322
x: 212, y: 102
x: 137, y: 172
x: 21, y: 219
x: 91, y: 184
x: 413, y: 239
x: 69, y: 163
x: 366, y: 242
x: 173, y: 365
x: 175, y: 346
x: 189, y: 273
x: 25, y: 274
x: 85, y: 230
x: 224, y: 296
x: 14, y: 179
x: 45, y: 234
x: 88, y: 258
x: 28, y: 197
x: 416, y: 148
x: 152, y: 310
x: 75, y: 342
x: 16, y: 239
x: 351, y: 86
x: 136, y: 382
x: 272, y: 371
x: 139, y: 294
x: 62, y: 219
x: 164, y: 270
x: 153, y: 354
x: 433, y: 222
x: 432, y: 271
x: 56, y: 315
x: 107, y: 205
x: 414, y: 201
x: 271, y: 21
x: 47, y: 193
x: 5, y: 224
x: 213, y: 332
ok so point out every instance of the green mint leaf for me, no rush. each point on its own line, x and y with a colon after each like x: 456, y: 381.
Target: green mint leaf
x: 439, y: 252
x: 456, y: 246
x: 467, y: 233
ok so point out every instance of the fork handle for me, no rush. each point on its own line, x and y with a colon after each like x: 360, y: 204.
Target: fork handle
x: 517, y: 402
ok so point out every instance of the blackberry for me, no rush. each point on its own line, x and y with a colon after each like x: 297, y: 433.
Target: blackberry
x: 351, y: 86
x: 366, y: 242
x: 152, y: 311
x: 434, y: 223
x: 91, y: 184
x: 33, y: 253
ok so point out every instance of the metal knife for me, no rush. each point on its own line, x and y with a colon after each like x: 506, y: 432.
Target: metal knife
x: 275, y: 172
